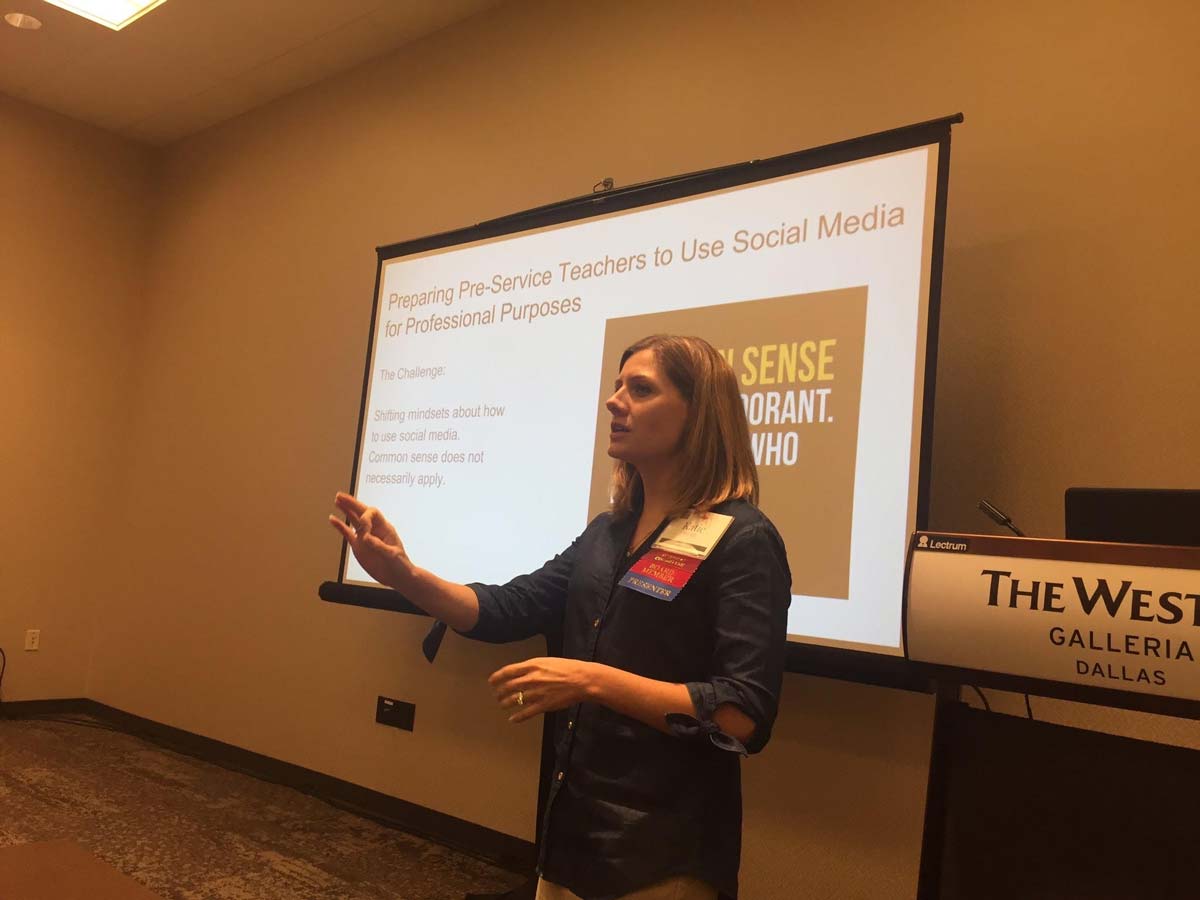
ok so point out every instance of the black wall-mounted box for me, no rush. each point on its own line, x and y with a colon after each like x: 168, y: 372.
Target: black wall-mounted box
x: 396, y: 713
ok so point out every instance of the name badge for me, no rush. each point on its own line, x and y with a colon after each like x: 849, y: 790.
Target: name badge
x: 693, y: 535
x: 676, y: 555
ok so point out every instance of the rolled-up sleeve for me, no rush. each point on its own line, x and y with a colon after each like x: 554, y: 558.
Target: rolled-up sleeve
x: 526, y: 606
x: 753, y: 591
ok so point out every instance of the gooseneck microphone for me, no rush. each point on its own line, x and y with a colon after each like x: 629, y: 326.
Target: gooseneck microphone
x: 1000, y: 518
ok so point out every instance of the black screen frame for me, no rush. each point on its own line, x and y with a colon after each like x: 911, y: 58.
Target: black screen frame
x: 864, y: 666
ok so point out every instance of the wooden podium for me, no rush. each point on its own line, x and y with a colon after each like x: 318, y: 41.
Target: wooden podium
x: 1022, y: 808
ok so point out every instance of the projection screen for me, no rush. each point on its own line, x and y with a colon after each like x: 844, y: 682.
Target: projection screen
x: 483, y: 430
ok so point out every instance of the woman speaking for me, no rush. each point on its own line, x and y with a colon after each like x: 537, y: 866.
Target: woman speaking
x: 672, y: 609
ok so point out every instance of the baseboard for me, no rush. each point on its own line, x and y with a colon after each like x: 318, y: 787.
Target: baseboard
x: 504, y: 850
x: 27, y: 709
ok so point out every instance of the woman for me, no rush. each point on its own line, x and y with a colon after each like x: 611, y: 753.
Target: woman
x: 655, y: 699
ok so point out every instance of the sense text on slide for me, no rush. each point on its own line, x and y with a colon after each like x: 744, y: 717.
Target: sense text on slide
x: 782, y: 366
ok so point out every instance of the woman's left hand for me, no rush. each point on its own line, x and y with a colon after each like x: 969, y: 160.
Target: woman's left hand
x: 541, y: 685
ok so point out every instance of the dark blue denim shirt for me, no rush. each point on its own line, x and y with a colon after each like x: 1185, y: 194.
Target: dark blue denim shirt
x: 630, y: 805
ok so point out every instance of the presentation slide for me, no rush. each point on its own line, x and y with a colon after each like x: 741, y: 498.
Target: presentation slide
x: 484, y: 430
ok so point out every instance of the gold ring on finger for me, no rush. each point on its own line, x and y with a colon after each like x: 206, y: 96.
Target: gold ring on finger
x: 520, y: 698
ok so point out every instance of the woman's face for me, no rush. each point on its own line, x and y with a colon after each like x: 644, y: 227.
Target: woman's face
x: 648, y: 413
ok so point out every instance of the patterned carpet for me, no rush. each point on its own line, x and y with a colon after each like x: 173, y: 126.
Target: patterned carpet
x: 194, y: 831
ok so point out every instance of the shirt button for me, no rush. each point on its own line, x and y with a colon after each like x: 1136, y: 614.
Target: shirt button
x: 559, y: 776
x: 596, y: 623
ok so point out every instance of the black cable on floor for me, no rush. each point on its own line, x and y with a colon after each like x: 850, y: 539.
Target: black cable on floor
x: 987, y: 706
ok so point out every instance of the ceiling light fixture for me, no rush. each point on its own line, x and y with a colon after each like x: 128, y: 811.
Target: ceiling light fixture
x: 20, y: 20
x: 114, y: 14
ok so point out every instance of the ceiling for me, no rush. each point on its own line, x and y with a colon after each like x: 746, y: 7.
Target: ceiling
x: 190, y: 64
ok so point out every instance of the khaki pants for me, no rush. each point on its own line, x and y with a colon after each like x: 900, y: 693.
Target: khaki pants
x: 681, y: 887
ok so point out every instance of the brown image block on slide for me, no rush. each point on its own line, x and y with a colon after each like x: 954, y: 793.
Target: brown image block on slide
x: 62, y: 870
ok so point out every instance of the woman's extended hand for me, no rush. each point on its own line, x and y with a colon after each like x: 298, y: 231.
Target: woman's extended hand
x: 541, y: 685
x: 373, y: 540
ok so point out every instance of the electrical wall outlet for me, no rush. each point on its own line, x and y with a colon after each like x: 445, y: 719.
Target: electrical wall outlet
x: 396, y: 713
x: 33, y: 638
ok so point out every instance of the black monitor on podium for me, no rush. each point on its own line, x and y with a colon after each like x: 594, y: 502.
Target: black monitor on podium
x: 1133, y: 516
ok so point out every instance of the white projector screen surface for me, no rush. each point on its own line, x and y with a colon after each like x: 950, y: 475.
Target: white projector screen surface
x: 484, y: 427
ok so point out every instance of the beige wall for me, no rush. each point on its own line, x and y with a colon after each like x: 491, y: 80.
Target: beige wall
x: 73, y: 216
x: 1065, y: 358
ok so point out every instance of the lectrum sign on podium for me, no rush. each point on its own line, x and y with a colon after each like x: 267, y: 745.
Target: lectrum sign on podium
x: 1117, y: 616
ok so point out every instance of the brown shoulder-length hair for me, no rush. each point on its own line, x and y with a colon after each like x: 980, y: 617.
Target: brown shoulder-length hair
x: 716, y: 462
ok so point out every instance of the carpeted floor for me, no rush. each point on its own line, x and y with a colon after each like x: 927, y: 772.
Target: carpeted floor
x: 194, y: 831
